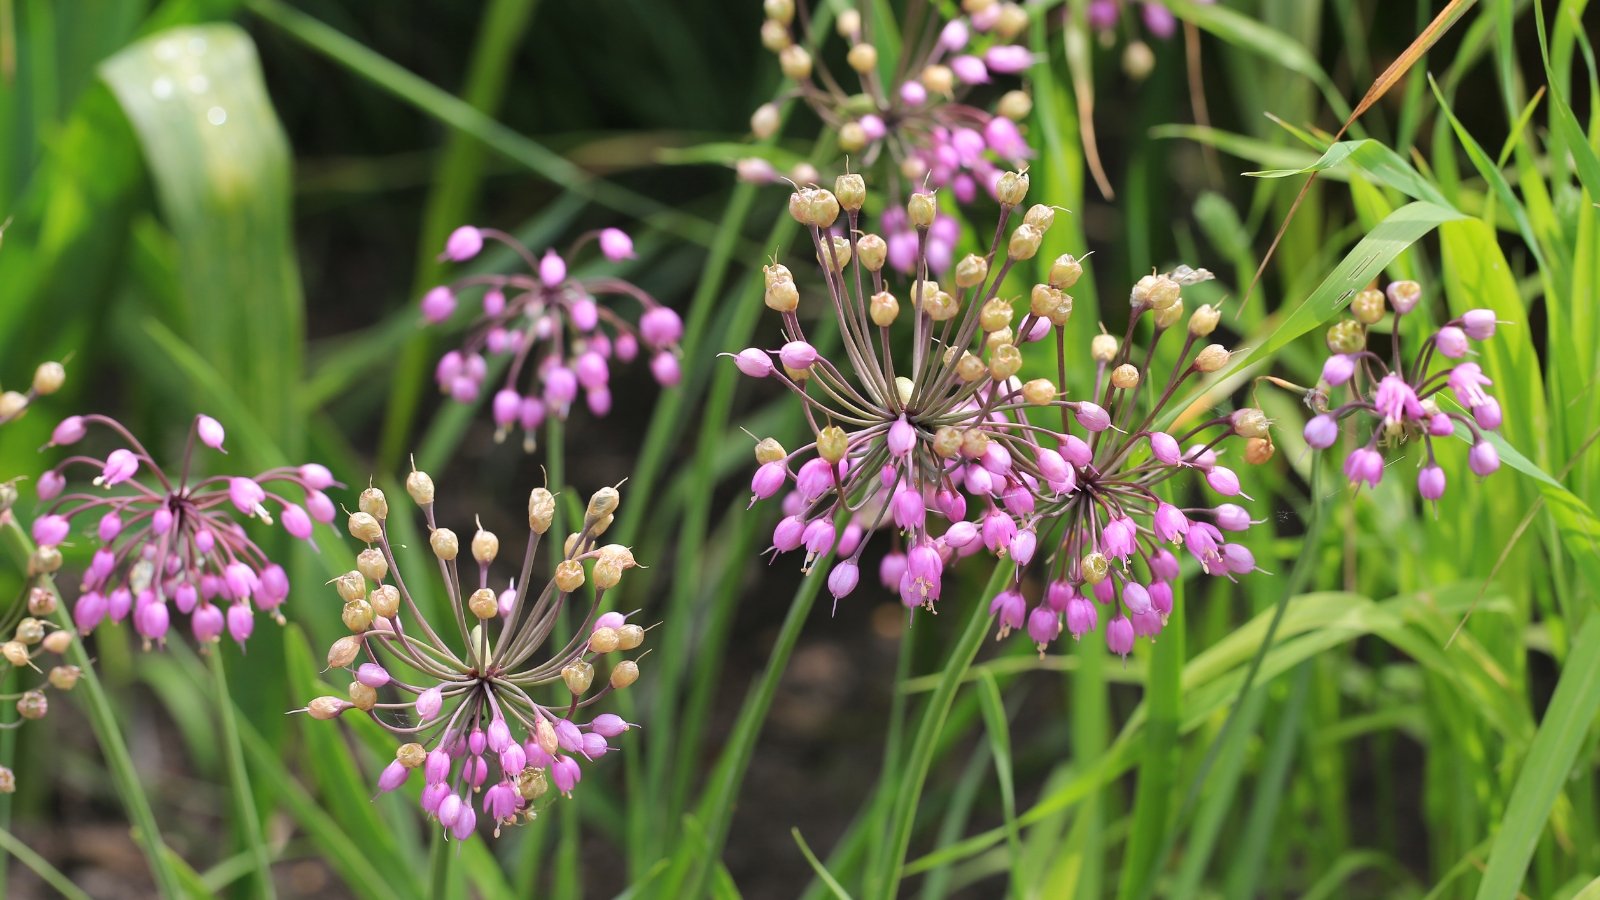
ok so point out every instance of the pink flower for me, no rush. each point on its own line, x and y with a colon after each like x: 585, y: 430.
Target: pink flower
x: 463, y: 244
x: 615, y: 244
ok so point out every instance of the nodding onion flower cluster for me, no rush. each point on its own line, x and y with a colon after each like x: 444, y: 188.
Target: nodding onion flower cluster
x: 913, y: 440
x: 33, y: 635
x: 471, y: 700
x: 912, y: 113
x: 1105, y: 17
x: 47, y: 379
x: 174, y: 539
x: 556, y: 335
x: 1402, y: 403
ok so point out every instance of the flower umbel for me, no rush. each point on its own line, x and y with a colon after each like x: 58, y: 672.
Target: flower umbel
x: 1402, y: 402
x: 466, y: 706
x: 551, y: 328
x: 921, y: 119
x: 174, y: 540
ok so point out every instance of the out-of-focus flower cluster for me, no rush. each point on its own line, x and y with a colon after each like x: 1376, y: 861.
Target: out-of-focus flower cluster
x: 1108, y: 17
x: 923, y: 428
x: 47, y: 379
x: 1401, y: 403
x: 172, y: 540
x: 466, y: 706
x: 914, y: 114
x: 551, y: 329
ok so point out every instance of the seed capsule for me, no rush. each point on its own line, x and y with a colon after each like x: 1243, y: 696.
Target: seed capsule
x: 971, y: 271
x: 15, y: 653
x: 921, y: 209
x: 57, y: 642
x: 357, y: 615
x: 541, y: 509
x: 343, y: 652
x: 832, y: 444
x: 33, y: 705
x: 1125, y: 377
x: 1368, y: 306
x: 385, y: 600
x: 363, y: 697
x: 364, y: 528
x: 485, y: 546
x: 445, y: 544
x: 794, y: 62
x: 374, y: 503
x: 1011, y: 189
x: 44, y: 561
x: 872, y: 251
x: 1258, y: 450
x: 420, y: 487
x: 30, y: 631
x: 1004, y: 362
x: 569, y: 575
x: 578, y: 676
x: 411, y: 755
x: 1204, y: 321
x: 484, y: 603
x: 863, y: 58
x: 327, y: 707
x: 769, y: 450
x: 350, y: 586
x: 1103, y: 348
x: 371, y: 563
x: 1095, y: 567
x: 970, y: 368
x: 1166, y: 318
x: 938, y: 79
x: 1212, y: 358
x: 835, y: 254
x: 1015, y: 105
x: 1065, y: 272
x: 1249, y: 422
x: 884, y: 309
x: 607, y: 573
x: 630, y: 637
x: 65, y: 678
x: 974, y: 443
x: 48, y: 378
x: 765, y: 120
x: 995, y: 315
x: 1024, y: 242
x: 1039, y: 391
x: 1347, y: 336
x: 604, y: 640
x: 626, y: 673
x: 602, y: 503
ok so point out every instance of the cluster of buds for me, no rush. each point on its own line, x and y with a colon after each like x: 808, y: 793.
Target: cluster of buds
x: 1107, y: 17
x: 173, y: 540
x: 939, y: 440
x: 556, y: 337
x: 32, y: 637
x: 1403, y: 403
x: 467, y: 707
x: 912, y: 113
x: 47, y: 379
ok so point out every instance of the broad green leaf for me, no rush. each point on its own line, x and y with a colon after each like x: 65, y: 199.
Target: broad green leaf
x: 1377, y: 161
x: 220, y: 163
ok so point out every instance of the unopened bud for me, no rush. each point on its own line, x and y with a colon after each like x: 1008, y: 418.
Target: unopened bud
x: 765, y: 120
x: 12, y: 403
x: 1039, y: 391
x: 1103, y: 348
x: 1368, y: 306
x: 1015, y: 105
x: 1125, y: 377
x: 411, y: 755
x: 578, y: 676
x: 1347, y: 336
x: 835, y: 253
x: 363, y: 696
x: 1249, y: 422
x: 363, y: 527
x: 884, y: 309
x: 1095, y: 567
x: 351, y: 586
x: 1011, y: 189
x: 541, y: 509
x: 1138, y: 60
x: 626, y: 673
x: 768, y: 450
x: 374, y: 503
x: 795, y: 62
x: 445, y: 544
x: 851, y: 191
x: 484, y: 603
x: 48, y: 378
x: 343, y: 652
x: 357, y: 615
x: 385, y: 600
x: 569, y: 576
x: 1211, y: 358
x: 57, y: 642
x: 1024, y: 242
x: 1065, y: 271
x: 1204, y: 321
x: 65, y: 678
x: 41, y: 601
x: 44, y: 561
x: 971, y: 271
x: 604, y: 640
x: 970, y: 368
x: 995, y: 315
x: 327, y: 707
x: 485, y: 546
x: 420, y: 487
x: 1403, y: 295
x: 863, y: 58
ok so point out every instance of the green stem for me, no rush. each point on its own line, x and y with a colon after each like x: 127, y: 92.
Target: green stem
x: 46, y: 872
x: 103, y: 719
x: 441, y: 860
x: 244, y: 799
x: 902, y: 819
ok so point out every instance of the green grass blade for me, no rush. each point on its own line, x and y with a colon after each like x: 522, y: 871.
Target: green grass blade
x: 246, y: 820
x: 1554, y: 750
x: 817, y: 867
x: 994, y: 722
x: 40, y: 866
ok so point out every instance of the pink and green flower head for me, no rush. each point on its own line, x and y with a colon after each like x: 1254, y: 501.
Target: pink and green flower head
x: 174, y: 542
x: 551, y: 336
x: 493, y: 704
